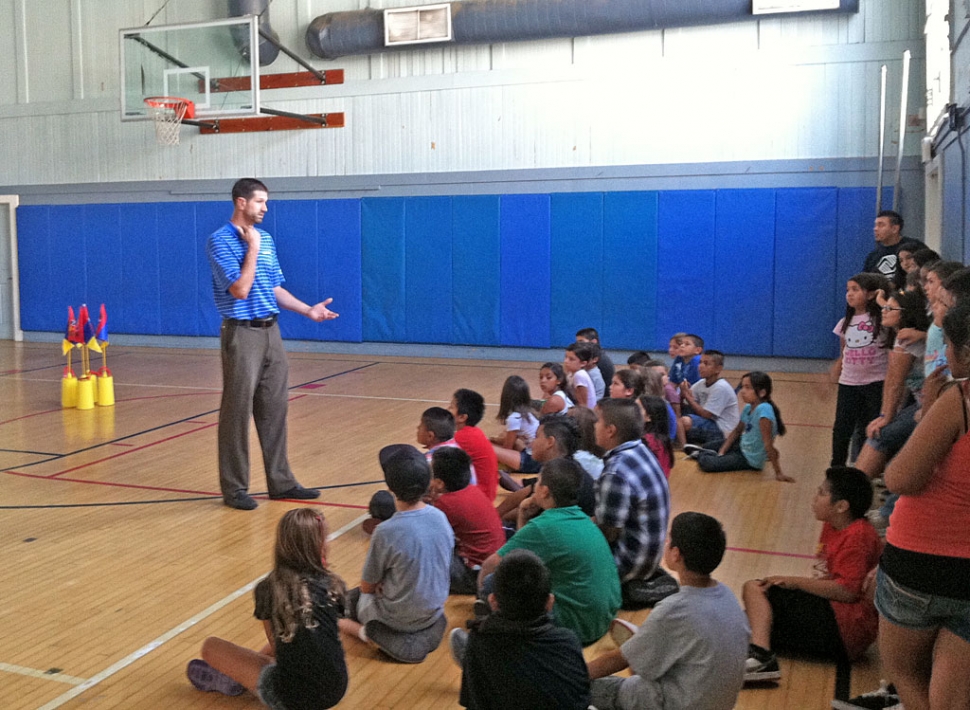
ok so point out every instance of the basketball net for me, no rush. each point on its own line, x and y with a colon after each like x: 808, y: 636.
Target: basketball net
x: 167, y: 113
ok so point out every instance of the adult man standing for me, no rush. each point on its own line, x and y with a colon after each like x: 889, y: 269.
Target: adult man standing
x: 889, y: 240
x: 247, y: 285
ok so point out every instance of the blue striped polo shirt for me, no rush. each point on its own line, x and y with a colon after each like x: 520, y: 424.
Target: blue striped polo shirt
x: 226, y: 251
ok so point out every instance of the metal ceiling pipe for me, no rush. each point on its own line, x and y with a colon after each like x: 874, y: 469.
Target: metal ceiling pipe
x: 340, y: 34
x: 268, y: 52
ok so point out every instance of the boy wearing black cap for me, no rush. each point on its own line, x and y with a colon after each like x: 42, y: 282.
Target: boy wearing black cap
x: 404, y: 583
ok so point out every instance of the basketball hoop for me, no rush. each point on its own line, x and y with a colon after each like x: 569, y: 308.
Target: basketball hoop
x: 167, y: 112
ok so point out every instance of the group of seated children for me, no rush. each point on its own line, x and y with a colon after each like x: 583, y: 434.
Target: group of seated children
x: 581, y: 541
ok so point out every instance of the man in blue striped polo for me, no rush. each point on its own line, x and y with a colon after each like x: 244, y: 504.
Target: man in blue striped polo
x: 248, y: 287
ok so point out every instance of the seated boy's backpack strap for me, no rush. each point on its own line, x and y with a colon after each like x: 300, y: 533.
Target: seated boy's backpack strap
x: 407, y: 646
x: 643, y: 593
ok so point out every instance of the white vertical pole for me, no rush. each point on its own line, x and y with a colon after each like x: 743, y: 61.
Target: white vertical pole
x: 903, y: 99
x: 882, y: 138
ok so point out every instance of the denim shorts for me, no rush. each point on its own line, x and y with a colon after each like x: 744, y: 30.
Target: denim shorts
x: 896, y: 433
x: 917, y: 610
x: 264, y: 687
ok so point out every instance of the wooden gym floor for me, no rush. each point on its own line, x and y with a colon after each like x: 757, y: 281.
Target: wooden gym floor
x: 118, y: 557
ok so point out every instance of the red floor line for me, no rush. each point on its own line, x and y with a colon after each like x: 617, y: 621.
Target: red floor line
x: 169, y: 490
x: 129, y: 451
x: 772, y: 552
x: 813, y: 426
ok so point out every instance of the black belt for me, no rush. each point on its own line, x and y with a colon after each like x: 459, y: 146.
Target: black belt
x: 266, y: 322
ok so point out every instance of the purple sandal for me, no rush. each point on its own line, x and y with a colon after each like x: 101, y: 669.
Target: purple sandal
x: 205, y: 677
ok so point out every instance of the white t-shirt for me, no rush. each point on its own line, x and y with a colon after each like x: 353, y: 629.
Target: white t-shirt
x: 721, y: 401
x: 526, y: 426
x: 581, y: 378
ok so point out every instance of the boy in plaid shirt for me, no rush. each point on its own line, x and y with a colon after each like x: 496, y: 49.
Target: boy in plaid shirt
x: 632, y: 498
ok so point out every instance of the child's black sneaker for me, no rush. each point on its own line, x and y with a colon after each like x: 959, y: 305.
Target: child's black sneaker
x: 762, y: 665
x: 692, y: 450
x: 885, y: 698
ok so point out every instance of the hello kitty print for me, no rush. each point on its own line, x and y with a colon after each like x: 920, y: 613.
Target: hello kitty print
x: 864, y: 360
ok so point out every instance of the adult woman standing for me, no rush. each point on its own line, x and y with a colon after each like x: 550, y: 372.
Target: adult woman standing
x: 923, y: 590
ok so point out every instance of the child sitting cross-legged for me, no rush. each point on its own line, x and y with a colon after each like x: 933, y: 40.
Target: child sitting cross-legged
x: 400, y: 603
x: 299, y: 603
x: 690, y: 652
x: 516, y: 657
x: 476, y: 523
x: 829, y: 615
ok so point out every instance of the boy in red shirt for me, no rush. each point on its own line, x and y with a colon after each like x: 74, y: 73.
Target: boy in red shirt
x: 829, y: 614
x: 468, y: 408
x: 477, y: 526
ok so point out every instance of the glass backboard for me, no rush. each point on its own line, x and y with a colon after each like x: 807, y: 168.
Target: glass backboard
x: 211, y: 63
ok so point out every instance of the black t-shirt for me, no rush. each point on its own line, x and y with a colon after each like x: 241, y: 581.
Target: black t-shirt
x: 523, y: 665
x: 884, y: 259
x: 311, y: 673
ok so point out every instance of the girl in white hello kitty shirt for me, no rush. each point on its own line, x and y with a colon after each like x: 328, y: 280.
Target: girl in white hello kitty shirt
x: 862, y: 364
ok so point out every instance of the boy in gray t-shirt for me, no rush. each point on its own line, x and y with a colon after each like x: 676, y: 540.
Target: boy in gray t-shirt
x: 691, y: 650
x: 404, y: 583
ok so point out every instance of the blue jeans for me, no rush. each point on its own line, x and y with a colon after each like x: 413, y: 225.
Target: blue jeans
x: 710, y: 461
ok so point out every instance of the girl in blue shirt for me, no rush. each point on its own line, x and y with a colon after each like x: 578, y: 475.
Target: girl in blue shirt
x: 752, y: 441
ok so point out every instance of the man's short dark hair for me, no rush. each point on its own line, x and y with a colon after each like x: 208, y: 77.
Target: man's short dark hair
x: 696, y: 339
x: 522, y: 586
x: 894, y: 218
x: 451, y: 466
x: 700, y: 539
x: 439, y: 422
x: 716, y: 356
x: 625, y: 415
x: 563, y: 478
x: 245, y: 188
x: 588, y: 333
x: 471, y: 404
x: 852, y: 486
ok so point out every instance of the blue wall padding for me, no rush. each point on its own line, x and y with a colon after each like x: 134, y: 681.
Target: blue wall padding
x: 629, y: 270
x: 141, y: 312
x: 744, y: 247
x: 339, y: 268
x: 685, y: 264
x: 382, y: 267
x: 296, y: 233
x: 103, y: 258
x: 525, y: 278
x: 805, y: 251
x: 179, y: 248
x: 475, y: 268
x: 68, y: 243
x: 857, y: 209
x: 41, y: 307
x: 428, y: 274
x: 757, y: 272
x: 576, y: 260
